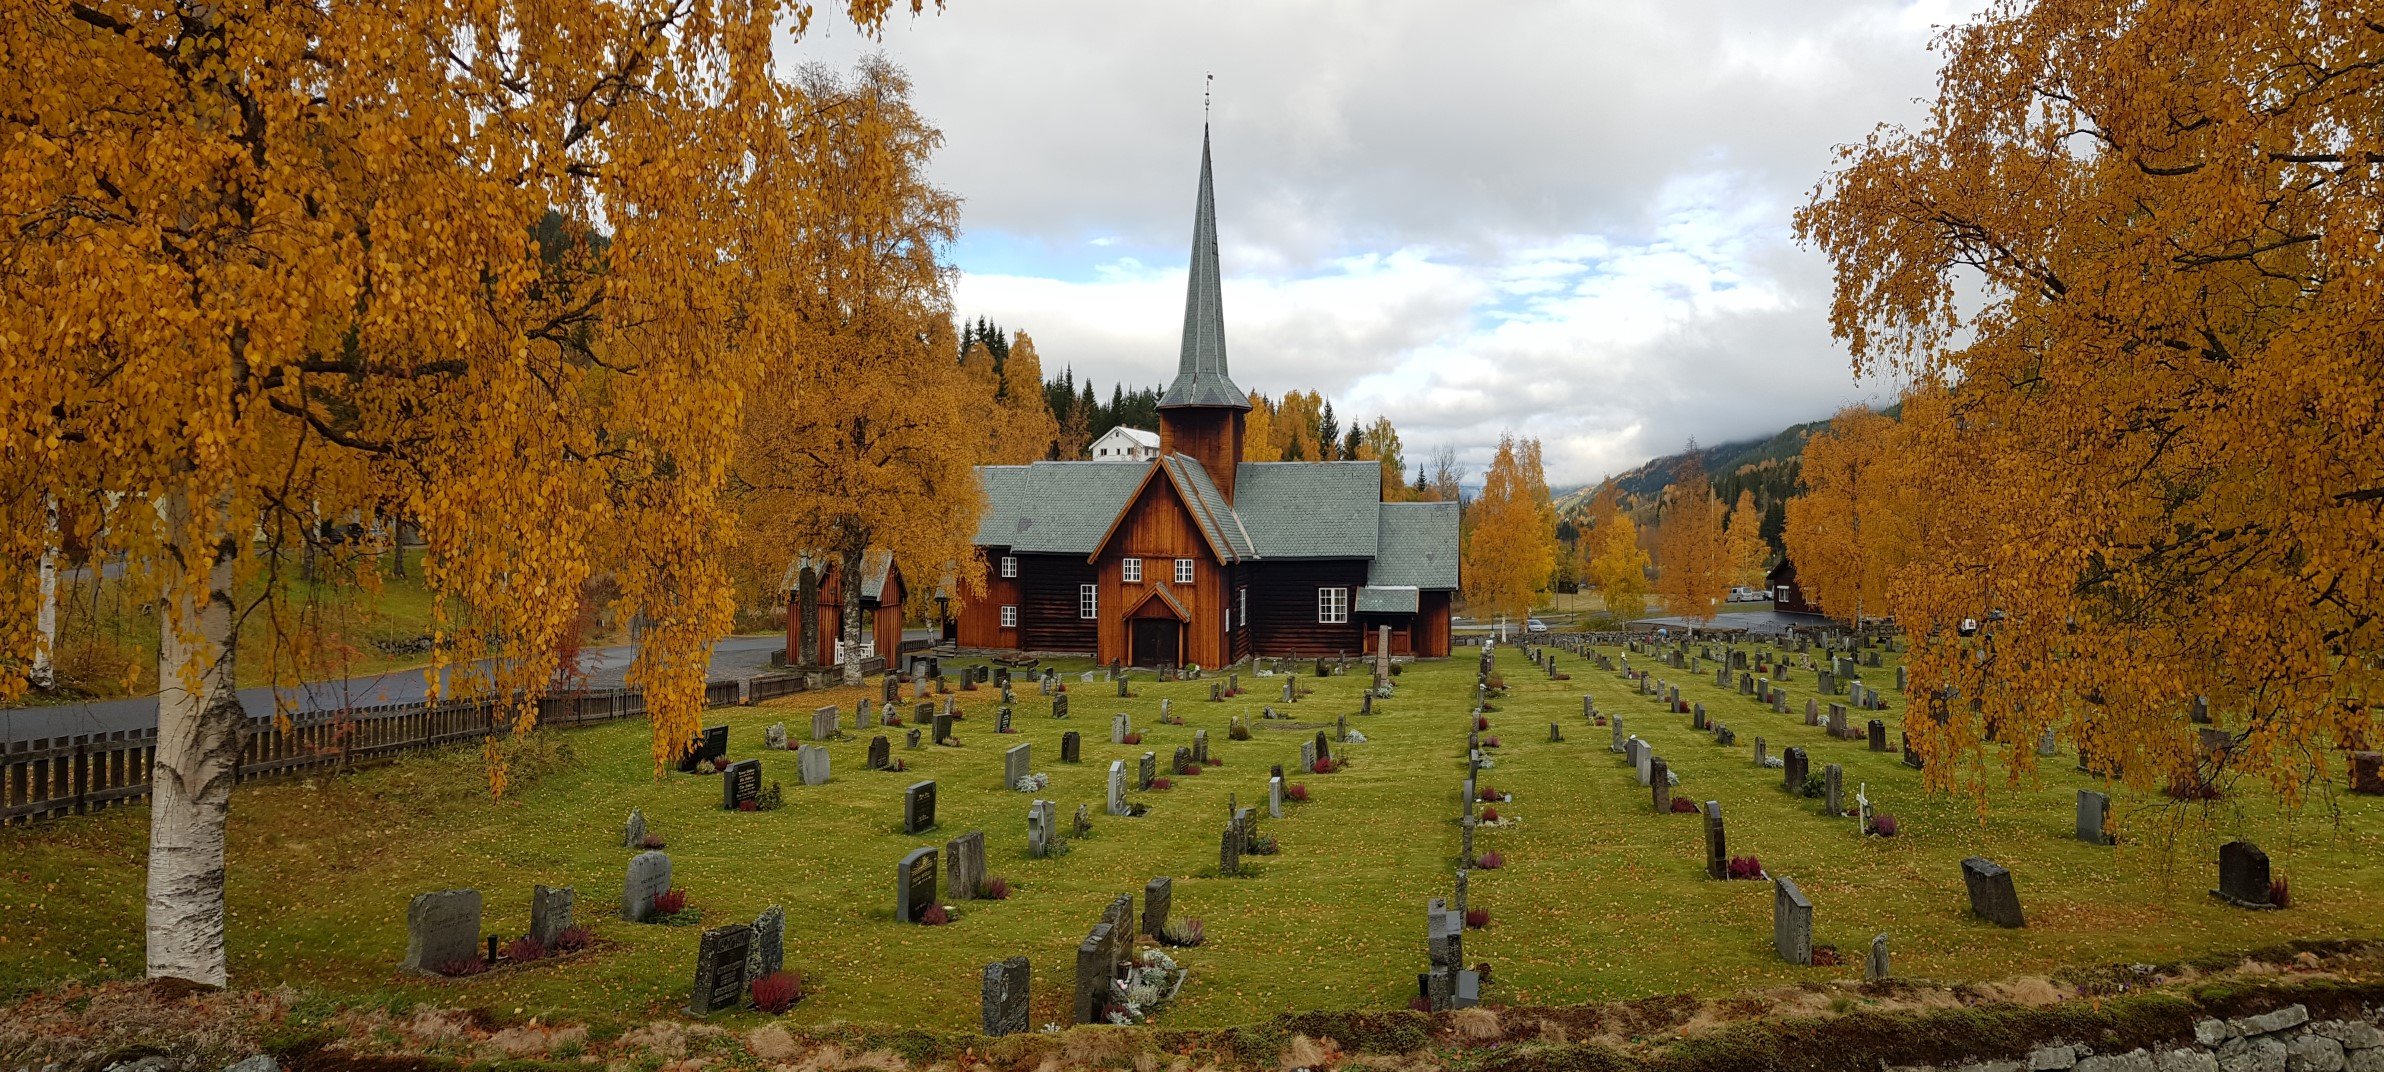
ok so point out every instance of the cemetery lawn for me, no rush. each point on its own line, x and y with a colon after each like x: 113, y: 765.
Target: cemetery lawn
x: 1600, y: 898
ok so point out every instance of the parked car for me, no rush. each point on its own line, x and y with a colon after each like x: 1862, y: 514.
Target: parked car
x: 1534, y: 625
x: 1744, y: 594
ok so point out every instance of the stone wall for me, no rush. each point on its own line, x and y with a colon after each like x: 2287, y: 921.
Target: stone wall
x: 2286, y: 1040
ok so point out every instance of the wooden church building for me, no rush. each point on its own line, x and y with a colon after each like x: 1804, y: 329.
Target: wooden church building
x: 1199, y: 557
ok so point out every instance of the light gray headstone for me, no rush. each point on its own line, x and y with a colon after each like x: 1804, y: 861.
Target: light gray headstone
x: 550, y: 913
x: 1017, y: 763
x: 823, y: 723
x: 649, y: 874
x: 811, y: 761
x: 1274, y: 798
x: 2094, y: 813
x: 442, y: 928
x: 1117, y: 787
x: 1791, y: 922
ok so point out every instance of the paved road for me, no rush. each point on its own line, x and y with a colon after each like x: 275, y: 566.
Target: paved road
x: 731, y: 657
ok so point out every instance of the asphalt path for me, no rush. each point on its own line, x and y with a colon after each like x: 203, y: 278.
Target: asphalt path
x: 732, y: 657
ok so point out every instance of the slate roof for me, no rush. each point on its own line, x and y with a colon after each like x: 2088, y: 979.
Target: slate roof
x: 1218, y: 518
x: 1417, y: 546
x: 1395, y: 599
x: 1053, y: 507
x: 1200, y: 378
x: 1310, y: 509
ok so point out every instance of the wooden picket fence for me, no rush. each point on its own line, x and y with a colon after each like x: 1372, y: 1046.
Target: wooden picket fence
x: 46, y: 778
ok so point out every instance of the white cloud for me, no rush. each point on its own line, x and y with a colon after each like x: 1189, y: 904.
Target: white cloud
x: 1568, y: 220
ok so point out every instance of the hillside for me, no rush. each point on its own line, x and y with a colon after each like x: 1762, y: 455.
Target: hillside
x: 1722, y: 461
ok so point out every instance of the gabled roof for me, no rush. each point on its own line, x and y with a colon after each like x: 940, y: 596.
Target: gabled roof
x: 1310, y: 509
x: 1200, y: 378
x: 1138, y: 436
x: 1053, y: 507
x: 1199, y: 495
x: 1417, y: 546
x: 1165, y: 598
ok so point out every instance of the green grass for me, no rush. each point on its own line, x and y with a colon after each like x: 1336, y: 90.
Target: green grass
x: 1600, y: 898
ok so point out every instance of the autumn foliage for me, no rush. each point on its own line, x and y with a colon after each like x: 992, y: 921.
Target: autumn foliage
x: 1693, y: 568
x: 1510, y: 537
x: 2130, y: 262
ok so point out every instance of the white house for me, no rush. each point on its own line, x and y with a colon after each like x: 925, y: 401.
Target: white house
x: 1123, y: 444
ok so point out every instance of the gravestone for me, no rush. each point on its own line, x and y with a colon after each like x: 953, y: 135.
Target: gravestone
x: 1324, y: 748
x: 1833, y: 791
x: 710, y: 745
x: 1229, y: 850
x: 1660, y: 783
x: 1117, y: 787
x: 1642, y: 757
x: 1762, y: 752
x: 864, y: 716
x: 964, y: 859
x: 1791, y: 922
x: 2094, y: 817
x: 893, y: 691
x: 1717, y: 850
x: 1158, y: 899
x: 633, y: 832
x: 1992, y: 896
x: 1555, y: 733
x: 1878, y: 731
x: 1793, y: 768
x: 1829, y: 683
x: 2243, y: 877
x: 1308, y: 755
x: 1122, y: 691
x: 1096, y: 968
x: 943, y: 729
x: 1042, y: 828
x: 1697, y: 717
x: 1837, y: 721
x: 1119, y: 727
x: 1071, y: 747
x: 774, y: 737
x: 1275, y: 797
x: 914, y: 884
x: 1341, y: 728
x: 550, y: 913
x: 1059, y: 706
x: 2047, y: 745
x: 741, y: 784
x: 1366, y: 701
x: 1001, y: 719
x: 1146, y: 772
x: 918, y: 807
x: 2367, y: 772
x: 766, y: 954
x: 823, y: 723
x: 1615, y: 741
x: 719, y: 970
x: 1812, y: 711
x: 1875, y: 968
x: 1200, y: 747
x: 442, y: 928
x: 649, y: 874
x: 811, y: 761
x: 1017, y: 763
x: 1903, y: 683
x: 880, y: 753
x: 1004, y: 995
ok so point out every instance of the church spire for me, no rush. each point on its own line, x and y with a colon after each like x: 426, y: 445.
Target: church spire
x: 1200, y: 378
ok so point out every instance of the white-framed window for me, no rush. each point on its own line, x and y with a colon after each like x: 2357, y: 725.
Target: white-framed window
x: 1133, y: 569
x: 1183, y: 571
x: 1009, y: 565
x: 1088, y: 601
x: 1332, y: 605
x: 1010, y: 616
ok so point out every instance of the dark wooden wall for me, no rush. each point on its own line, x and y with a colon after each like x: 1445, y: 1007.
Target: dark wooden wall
x: 1047, y: 604
x: 1283, y: 607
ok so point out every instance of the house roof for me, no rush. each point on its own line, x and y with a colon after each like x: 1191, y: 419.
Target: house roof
x: 1388, y: 599
x: 1138, y: 436
x: 1310, y: 509
x: 1417, y: 546
x: 1200, y: 378
x: 1280, y: 510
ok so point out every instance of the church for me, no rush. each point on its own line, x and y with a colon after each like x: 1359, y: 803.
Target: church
x: 1196, y: 557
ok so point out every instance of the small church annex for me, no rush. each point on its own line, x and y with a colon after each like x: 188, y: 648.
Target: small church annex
x: 1196, y: 556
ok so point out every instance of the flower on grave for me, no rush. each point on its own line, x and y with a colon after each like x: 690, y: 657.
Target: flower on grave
x: 1356, y: 738
x: 1774, y: 762
x: 1671, y: 777
x: 1158, y: 959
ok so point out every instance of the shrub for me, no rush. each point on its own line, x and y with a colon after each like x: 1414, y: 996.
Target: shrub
x: 1133, y: 738
x: 1297, y: 793
x: 1325, y: 766
x: 720, y: 765
x: 1477, y: 918
x: 1883, y: 825
x: 524, y: 949
x: 935, y: 916
x: 1192, y: 771
x: 1490, y: 861
x: 1162, y: 782
x: 749, y: 805
x: 1237, y: 732
x: 572, y: 940
x: 1683, y: 804
x: 1183, y: 933
x: 1487, y: 793
x: 1489, y: 815
x: 777, y: 992
x: 1480, y: 723
x: 457, y: 969
x: 1746, y: 867
x: 1489, y: 742
x: 670, y: 902
x: 2280, y: 892
x: 1825, y: 956
x: 1816, y: 785
x: 1264, y: 845
x: 995, y: 888
x: 650, y: 841
x: 1601, y: 720
x: 1214, y: 762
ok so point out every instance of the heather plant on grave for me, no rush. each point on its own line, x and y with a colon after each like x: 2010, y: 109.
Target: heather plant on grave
x: 572, y: 940
x: 749, y: 805
x: 778, y: 991
x: 1489, y: 815
x: 935, y: 916
x: 1182, y: 933
x: 650, y: 841
x: 1683, y: 805
x: 1490, y: 861
x: 1162, y: 782
x: 1488, y: 793
x: 994, y: 888
x: 1133, y: 738
x: 1264, y: 845
x: 1237, y: 732
x: 1489, y: 742
x: 1480, y: 724
x: 1745, y: 867
x: 523, y: 950
x: 1477, y: 918
x: 1825, y: 956
x: 467, y: 966
x: 1297, y: 793
x: 1883, y: 825
x: 670, y: 902
x: 2280, y: 892
x: 771, y: 798
x: 1192, y: 770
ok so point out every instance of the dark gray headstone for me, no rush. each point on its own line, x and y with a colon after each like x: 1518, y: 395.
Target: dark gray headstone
x: 741, y: 784
x: 918, y: 806
x: 943, y: 728
x: 1875, y: 968
x: 881, y: 753
x: 964, y: 858
x: 1833, y: 791
x: 910, y: 738
x: 1878, y: 732
x: 1004, y: 996
x: 1992, y: 896
x: 914, y: 884
x: 2243, y: 873
x: 767, y: 953
x: 2094, y: 817
x: 719, y: 970
x: 1095, y: 975
x: 710, y: 745
x: 1717, y: 846
x: 1059, y: 706
x: 1071, y: 747
x: 1158, y: 899
x: 442, y: 928
x: 550, y: 913
x: 649, y: 874
x: 1659, y: 781
x: 1147, y: 771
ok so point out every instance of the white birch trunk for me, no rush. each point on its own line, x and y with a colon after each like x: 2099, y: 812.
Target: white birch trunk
x: 850, y: 596
x: 44, y: 675
x: 198, y: 750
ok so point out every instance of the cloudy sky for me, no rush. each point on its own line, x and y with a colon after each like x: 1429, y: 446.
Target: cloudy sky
x: 1568, y: 220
